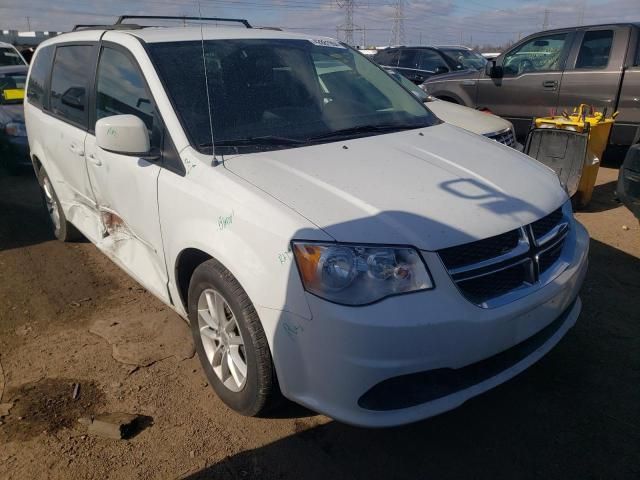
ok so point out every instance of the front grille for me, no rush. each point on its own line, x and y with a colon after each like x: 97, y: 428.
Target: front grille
x: 545, y: 224
x: 454, y: 257
x: 496, y: 283
x: 549, y: 257
x: 505, y: 137
x: 488, y: 271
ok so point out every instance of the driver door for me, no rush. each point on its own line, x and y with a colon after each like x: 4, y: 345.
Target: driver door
x: 530, y: 85
x: 126, y: 187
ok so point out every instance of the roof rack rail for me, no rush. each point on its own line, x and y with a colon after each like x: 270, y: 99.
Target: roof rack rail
x: 164, y: 17
x: 124, y: 26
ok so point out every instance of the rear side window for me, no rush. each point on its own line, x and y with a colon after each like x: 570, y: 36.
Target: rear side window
x: 120, y: 89
x: 39, y: 72
x: 407, y: 59
x: 595, y: 49
x: 69, y: 82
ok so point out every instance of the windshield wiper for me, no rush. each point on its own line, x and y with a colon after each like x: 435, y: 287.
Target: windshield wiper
x: 346, y: 132
x: 251, y: 141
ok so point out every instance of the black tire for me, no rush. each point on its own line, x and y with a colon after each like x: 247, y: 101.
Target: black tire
x: 260, y: 392
x: 64, y: 231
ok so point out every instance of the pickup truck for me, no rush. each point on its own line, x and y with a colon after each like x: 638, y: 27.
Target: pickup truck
x: 556, y: 70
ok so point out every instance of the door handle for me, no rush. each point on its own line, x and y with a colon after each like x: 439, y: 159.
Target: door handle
x: 550, y: 84
x: 75, y: 148
x: 93, y: 159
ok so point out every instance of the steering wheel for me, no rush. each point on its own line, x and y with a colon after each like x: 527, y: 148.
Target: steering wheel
x: 526, y: 65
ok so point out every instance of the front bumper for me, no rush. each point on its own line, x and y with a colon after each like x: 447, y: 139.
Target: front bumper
x: 329, y: 363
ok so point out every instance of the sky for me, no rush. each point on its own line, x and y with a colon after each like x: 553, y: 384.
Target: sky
x: 469, y: 22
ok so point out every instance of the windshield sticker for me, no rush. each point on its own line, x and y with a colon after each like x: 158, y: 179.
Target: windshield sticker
x: 326, y: 42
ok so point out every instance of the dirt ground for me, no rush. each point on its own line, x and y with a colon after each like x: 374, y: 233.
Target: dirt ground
x: 574, y: 415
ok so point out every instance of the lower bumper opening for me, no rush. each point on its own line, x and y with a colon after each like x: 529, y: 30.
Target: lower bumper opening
x: 416, y: 388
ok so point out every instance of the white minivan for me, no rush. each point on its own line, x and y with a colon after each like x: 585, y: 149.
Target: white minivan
x: 324, y: 233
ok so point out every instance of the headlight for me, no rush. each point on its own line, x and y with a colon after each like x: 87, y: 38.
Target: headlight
x: 15, y: 129
x: 357, y: 275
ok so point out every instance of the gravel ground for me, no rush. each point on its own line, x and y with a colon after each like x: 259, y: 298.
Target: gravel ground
x: 575, y: 414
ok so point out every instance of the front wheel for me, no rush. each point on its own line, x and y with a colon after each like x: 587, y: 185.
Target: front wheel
x: 62, y: 228
x: 230, y: 341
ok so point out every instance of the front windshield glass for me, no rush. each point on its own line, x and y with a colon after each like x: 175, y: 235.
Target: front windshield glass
x: 409, y: 85
x: 9, y: 57
x: 12, y: 87
x: 271, y: 94
x: 468, y: 58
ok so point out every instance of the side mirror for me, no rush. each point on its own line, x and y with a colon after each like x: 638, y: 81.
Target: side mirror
x: 123, y: 134
x: 494, y: 71
x: 441, y: 69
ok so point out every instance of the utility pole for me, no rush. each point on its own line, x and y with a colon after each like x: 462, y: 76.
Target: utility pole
x: 545, y: 22
x: 397, y: 31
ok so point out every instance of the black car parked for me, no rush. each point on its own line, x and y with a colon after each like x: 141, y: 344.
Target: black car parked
x: 417, y: 63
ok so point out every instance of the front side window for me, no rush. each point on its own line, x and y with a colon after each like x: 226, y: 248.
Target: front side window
x: 10, y: 57
x: 272, y: 94
x: 120, y: 89
x: 467, y: 58
x: 69, y: 82
x: 431, y: 61
x: 595, y: 49
x: 39, y: 72
x: 538, y: 54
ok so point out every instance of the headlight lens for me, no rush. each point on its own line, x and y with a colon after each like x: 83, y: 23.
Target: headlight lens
x: 357, y: 275
x: 15, y: 129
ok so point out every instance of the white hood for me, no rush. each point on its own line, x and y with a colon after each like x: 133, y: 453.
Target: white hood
x: 468, y: 118
x: 431, y: 188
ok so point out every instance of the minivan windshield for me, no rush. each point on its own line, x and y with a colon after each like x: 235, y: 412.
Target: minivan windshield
x: 281, y: 93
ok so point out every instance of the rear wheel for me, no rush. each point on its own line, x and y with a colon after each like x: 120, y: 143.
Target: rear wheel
x: 230, y: 341
x: 62, y: 228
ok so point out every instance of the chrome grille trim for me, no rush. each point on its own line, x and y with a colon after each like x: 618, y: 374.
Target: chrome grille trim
x: 522, y: 248
x: 506, y: 137
x: 539, y: 256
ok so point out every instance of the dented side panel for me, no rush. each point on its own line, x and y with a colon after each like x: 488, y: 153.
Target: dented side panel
x: 126, y: 192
